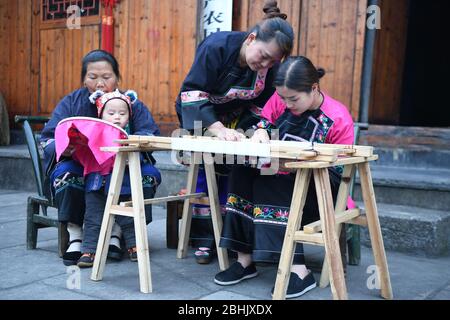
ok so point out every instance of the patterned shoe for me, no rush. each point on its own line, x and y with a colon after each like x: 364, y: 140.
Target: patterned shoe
x: 132, y: 253
x: 204, y: 255
x: 86, y: 260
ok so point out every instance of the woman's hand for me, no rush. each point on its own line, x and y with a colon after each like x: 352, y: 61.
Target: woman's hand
x: 260, y: 136
x: 220, y: 131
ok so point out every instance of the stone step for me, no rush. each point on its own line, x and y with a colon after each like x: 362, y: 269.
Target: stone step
x: 419, y: 187
x: 409, y: 146
x: 17, y: 172
x: 413, y: 230
x: 413, y: 157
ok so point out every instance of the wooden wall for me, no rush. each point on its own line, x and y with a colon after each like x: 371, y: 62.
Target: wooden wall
x: 40, y: 60
x: 329, y: 32
x: 15, y: 53
x: 155, y: 46
x: 61, y: 51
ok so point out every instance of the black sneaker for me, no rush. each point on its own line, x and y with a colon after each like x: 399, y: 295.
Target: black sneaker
x: 298, y: 287
x: 235, y: 274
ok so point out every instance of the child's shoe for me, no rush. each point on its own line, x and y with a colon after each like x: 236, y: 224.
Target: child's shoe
x: 86, y: 260
x: 132, y: 253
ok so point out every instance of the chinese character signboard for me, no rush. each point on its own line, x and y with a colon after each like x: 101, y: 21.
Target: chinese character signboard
x: 217, y: 16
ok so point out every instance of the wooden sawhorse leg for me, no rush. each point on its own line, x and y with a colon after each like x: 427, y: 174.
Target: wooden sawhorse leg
x: 373, y: 223
x: 330, y: 238
x: 341, y: 205
x: 137, y: 212
x: 295, y: 218
x: 187, y: 208
x: 213, y: 202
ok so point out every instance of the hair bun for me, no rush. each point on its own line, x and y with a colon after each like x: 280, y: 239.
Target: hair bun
x: 320, y: 72
x: 272, y: 11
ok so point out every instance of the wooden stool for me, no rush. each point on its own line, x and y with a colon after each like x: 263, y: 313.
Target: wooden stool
x: 137, y: 212
x: 326, y: 231
x: 134, y: 209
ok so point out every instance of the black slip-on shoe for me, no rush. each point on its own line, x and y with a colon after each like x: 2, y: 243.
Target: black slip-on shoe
x: 71, y: 258
x: 235, y: 274
x: 298, y: 287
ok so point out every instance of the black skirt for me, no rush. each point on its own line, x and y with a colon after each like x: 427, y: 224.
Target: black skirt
x: 257, y: 211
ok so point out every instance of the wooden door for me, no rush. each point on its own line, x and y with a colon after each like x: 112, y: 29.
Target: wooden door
x: 388, y: 64
x: 57, y: 50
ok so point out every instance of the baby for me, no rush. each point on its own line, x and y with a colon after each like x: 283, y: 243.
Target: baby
x: 113, y: 107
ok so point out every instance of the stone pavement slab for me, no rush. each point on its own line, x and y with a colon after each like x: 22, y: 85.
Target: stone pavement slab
x: 40, y: 274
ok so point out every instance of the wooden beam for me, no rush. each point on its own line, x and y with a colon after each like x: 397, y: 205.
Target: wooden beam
x: 314, y: 239
x: 323, y: 164
x: 165, y: 199
x: 360, y: 221
x: 341, y: 217
x: 122, y: 211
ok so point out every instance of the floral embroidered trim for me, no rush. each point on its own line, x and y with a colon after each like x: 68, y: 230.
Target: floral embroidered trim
x: 148, y: 181
x: 280, y: 214
x: 243, y: 93
x: 239, y: 204
x: 62, y: 183
x: 189, y: 98
x: 194, y: 97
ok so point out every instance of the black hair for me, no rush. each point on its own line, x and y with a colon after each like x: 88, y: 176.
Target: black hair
x: 96, y: 56
x: 299, y: 74
x: 275, y: 26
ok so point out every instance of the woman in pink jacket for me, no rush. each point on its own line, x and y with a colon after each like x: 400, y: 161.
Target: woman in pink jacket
x: 257, y: 207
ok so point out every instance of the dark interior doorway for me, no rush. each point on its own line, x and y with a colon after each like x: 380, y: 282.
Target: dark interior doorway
x: 426, y: 84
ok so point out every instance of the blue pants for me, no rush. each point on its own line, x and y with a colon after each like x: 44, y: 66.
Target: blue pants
x: 95, y: 206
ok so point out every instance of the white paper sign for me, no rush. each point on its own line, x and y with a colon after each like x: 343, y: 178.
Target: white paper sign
x: 217, y: 16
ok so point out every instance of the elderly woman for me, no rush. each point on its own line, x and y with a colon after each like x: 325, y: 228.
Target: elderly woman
x: 100, y: 71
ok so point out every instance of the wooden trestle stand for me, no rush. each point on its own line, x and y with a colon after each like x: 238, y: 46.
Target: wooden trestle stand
x: 305, y: 158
